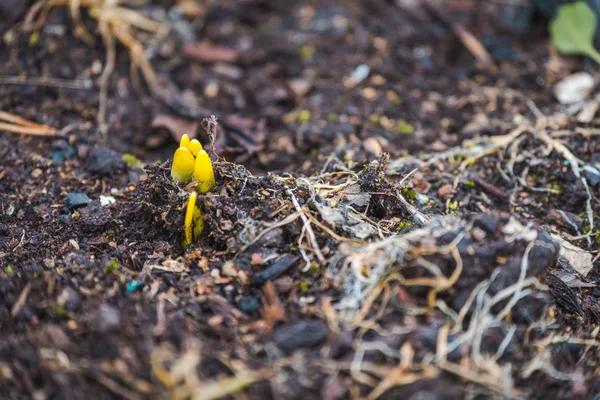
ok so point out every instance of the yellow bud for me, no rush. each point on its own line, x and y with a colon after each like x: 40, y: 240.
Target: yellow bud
x: 189, y: 219
x: 185, y: 141
x: 198, y: 222
x: 183, y: 165
x: 195, y: 147
x: 203, y: 172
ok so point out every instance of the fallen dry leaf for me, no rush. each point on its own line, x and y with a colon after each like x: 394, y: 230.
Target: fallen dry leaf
x: 579, y: 259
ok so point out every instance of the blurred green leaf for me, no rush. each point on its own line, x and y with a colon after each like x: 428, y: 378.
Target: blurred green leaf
x: 573, y: 29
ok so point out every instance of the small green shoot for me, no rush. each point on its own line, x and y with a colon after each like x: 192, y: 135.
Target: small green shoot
x: 404, y: 225
x: 111, y: 266
x: 409, y: 193
x: 332, y: 117
x: 57, y: 310
x: 33, y: 39
x: 306, y: 52
x: 304, y: 286
x: 573, y: 29
x: 132, y: 160
x: 314, y: 267
x: 304, y: 116
x: 405, y: 128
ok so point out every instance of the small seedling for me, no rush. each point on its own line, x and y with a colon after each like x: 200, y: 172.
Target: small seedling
x: 203, y: 173
x: 404, y: 225
x: 182, y: 169
x: 405, y: 128
x: 191, y: 162
x: 304, y: 116
x: 194, y: 223
x: 573, y: 30
x: 132, y: 160
x: 111, y: 266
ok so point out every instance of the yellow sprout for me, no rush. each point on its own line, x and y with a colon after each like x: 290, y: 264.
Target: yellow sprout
x: 198, y: 222
x: 194, y: 223
x: 184, y: 141
x: 182, y: 169
x: 190, y: 161
x: 203, y: 172
x: 195, y: 147
x: 186, y: 166
x: 183, y: 165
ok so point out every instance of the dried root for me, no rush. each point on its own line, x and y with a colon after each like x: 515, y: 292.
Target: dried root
x: 435, y: 258
x: 15, y: 124
x: 115, y: 23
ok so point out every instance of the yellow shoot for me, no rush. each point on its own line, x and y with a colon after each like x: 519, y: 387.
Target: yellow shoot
x: 195, y: 147
x: 194, y: 223
x: 203, y: 172
x: 184, y: 141
x: 189, y: 218
x: 198, y: 222
x: 190, y: 161
x: 183, y: 165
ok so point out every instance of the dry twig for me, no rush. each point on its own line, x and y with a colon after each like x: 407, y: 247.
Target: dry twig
x: 114, y: 22
x: 16, y: 124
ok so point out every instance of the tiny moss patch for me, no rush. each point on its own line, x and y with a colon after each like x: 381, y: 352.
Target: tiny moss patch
x: 404, y: 128
x: 409, y: 193
x: 304, y: 116
x: 130, y: 159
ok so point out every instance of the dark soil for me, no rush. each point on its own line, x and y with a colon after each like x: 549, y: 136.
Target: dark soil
x: 406, y: 288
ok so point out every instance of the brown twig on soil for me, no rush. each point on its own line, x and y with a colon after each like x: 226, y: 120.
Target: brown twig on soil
x: 471, y: 43
x: 114, y: 22
x: 491, y: 189
x: 272, y: 310
x: 16, y: 124
x: 21, y: 300
x: 46, y: 81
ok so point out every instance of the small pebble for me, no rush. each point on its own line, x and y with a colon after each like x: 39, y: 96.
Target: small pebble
x: 369, y: 93
x: 211, y: 90
x: 592, y: 174
x: 360, y: 73
x: 300, y: 334
x: 75, y: 200
x: 106, y: 200
x: 574, y: 88
x: 373, y: 146
x: 103, y: 161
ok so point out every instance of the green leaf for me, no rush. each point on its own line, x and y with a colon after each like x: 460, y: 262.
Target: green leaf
x: 573, y: 29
